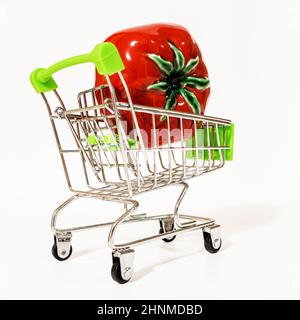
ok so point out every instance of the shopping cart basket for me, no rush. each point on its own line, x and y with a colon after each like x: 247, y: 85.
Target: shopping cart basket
x: 116, y: 167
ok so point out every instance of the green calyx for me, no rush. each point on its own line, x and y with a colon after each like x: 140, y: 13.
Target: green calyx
x: 176, y: 80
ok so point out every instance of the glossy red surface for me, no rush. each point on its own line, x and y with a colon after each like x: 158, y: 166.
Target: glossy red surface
x: 135, y: 45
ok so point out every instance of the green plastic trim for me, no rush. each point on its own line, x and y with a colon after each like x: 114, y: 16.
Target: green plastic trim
x: 105, y: 56
x: 109, y: 140
x: 107, y: 59
x: 40, y: 86
x: 202, y: 139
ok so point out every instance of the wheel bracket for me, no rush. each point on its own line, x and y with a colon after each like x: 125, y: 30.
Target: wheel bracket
x: 215, y: 234
x: 126, y: 260
x: 63, y: 242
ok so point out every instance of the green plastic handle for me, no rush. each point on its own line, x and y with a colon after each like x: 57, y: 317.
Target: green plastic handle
x: 105, y: 56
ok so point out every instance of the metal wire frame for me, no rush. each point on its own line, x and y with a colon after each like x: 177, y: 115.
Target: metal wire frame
x: 122, y: 172
x: 142, y: 169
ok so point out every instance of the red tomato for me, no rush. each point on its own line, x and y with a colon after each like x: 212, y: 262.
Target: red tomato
x: 163, y: 69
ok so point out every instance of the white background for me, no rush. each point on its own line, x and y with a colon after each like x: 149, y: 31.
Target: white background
x: 252, y: 52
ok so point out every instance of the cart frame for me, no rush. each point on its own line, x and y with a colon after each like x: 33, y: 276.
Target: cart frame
x: 134, y: 172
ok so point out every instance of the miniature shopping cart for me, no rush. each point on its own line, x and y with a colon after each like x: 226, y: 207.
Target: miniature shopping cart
x: 116, y: 167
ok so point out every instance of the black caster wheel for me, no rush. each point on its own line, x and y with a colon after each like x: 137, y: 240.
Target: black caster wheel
x: 209, y: 245
x: 170, y: 239
x: 162, y: 230
x: 57, y: 257
x: 116, y: 273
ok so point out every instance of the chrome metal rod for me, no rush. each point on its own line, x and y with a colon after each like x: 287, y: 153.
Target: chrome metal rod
x: 163, y: 235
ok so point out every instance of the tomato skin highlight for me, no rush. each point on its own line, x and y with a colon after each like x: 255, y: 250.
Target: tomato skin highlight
x: 135, y: 45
